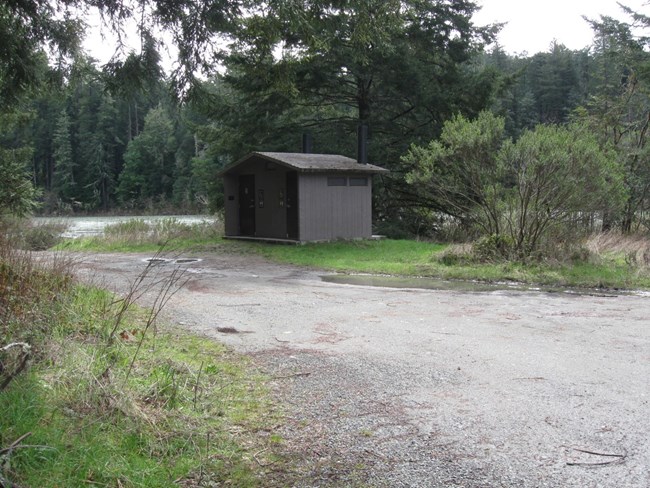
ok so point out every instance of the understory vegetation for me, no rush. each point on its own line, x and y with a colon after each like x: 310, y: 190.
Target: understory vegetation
x: 522, y: 199
x: 94, y: 391
x: 140, y: 235
x: 609, y: 260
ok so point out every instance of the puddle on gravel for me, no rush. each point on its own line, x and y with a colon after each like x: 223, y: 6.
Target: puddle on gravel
x: 172, y: 261
x: 466, y: 286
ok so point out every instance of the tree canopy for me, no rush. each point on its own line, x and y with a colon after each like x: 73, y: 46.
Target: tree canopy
x: 401, y: 67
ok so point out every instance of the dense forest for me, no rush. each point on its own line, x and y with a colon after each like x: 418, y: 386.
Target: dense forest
x: 127, y: 136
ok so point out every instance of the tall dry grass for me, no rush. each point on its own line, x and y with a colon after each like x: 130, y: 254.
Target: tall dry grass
x: 138, y: 231
x: 30, y: 288
x: 634, y: 247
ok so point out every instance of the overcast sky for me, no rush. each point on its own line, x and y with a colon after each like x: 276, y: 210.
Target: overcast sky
x: 533, y: 24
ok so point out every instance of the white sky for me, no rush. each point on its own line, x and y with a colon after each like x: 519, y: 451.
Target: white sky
x: 533, y: 24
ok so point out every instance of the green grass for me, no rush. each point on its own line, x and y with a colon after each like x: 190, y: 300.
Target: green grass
x: 385, y: 256
x: 415, y: 258
x: 104, y: 413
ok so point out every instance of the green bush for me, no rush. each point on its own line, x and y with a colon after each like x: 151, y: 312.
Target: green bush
x: 493, y: 248
x: 528, y: 189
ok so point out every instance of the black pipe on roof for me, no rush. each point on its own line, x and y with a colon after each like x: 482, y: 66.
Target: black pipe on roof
x: 362, y: 144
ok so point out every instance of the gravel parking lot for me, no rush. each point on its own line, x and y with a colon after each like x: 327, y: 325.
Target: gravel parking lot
x: 430, y: 388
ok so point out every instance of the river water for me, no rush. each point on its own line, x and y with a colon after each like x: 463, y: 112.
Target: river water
x: 92, y: 226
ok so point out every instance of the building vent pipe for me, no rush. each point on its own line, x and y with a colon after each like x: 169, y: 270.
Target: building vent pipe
x: 307, y: 143
x: 362, y: 144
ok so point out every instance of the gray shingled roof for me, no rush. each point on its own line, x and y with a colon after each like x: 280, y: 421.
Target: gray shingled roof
x: 311, y: 163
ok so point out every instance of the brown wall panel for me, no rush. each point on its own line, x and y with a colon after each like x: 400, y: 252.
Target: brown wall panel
x: 333, y: 212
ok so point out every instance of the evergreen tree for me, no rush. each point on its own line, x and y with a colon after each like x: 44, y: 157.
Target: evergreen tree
x: 399, y: 67
x: 64, y: 184
x: 17, y: 194
x: 513, y: 100
x: 149, y: 161
x: 101, y: 168
x: 554, y: 84
x: 619, y: 110
x: 189, y: 192
x: 86, y: 100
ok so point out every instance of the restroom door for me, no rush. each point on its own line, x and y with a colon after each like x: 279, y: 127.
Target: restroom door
x: 247, y: 205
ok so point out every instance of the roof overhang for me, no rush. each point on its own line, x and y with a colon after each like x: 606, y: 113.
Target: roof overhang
x: 307, y: 163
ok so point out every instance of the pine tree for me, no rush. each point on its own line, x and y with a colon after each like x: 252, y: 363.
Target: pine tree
x: 619, y: 110
x: 149, y: 161
x: 64, y: 184
x: 101, y: 168
x: 399, y: 67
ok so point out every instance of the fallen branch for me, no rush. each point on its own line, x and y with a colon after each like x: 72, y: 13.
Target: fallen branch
x: 26, y: 351
x: 28, y: 446
x: 5, y: 454
x: 23, y: 345
x: 14, y: 444
x: 294, y: 375
x: 618, y: 458
x: 600, y: 453
x: 263, y: 465
x: 605, y: 463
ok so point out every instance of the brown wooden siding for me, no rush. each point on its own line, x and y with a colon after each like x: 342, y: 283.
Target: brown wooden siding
x: 231, y: 204
x: 333, y: 212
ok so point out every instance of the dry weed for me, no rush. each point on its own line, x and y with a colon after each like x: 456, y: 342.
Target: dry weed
x: 635, y: 247
x: 455, y: 254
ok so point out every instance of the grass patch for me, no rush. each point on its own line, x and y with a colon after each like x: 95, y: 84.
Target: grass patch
x: 179, y: 416
x: 144, y: 406
x: 383, y: 256
x: 32, y: 236
x: 608, y: 269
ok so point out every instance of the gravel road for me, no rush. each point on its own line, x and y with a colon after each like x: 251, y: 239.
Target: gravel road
x: 388, y: 387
